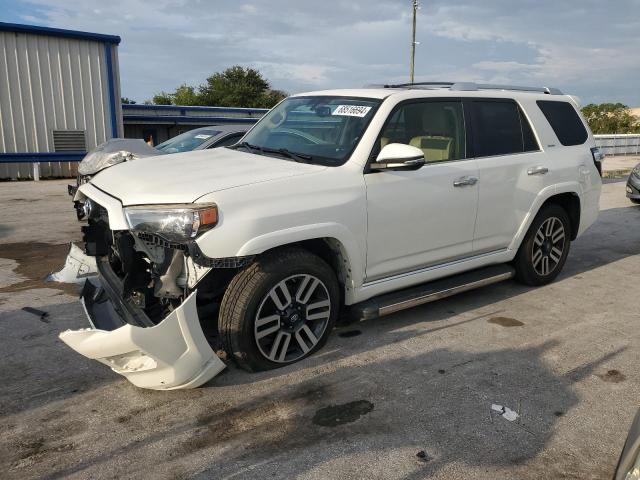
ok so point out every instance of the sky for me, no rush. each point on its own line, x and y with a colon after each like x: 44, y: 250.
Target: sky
x: 584, y: 47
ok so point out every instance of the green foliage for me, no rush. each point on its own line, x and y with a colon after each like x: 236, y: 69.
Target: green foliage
x: 610, y: 118
x: 185, y: 95
x: 162, y: 98
x: 234, y: 87
x: 127, y: 101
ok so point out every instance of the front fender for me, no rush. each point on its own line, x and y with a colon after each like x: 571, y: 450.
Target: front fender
x: 353, y: 257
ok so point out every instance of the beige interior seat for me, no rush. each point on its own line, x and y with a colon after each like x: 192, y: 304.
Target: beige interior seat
x: 436, y: 143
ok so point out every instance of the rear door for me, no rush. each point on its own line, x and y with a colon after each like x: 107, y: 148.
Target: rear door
x: 512, y: 170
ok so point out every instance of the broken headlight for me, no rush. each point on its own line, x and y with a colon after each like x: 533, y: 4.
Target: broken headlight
x: 177, y: 223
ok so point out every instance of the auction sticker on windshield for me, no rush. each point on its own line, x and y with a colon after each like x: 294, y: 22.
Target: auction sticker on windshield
x: 202, y: 136
x: 351, y: 110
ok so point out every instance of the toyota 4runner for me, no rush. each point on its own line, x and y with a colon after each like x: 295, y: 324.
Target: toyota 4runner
x: 375, y: 199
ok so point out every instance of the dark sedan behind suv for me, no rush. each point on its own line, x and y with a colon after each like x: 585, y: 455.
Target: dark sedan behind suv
x: 633, y: 185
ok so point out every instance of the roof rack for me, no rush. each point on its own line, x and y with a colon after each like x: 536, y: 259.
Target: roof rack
x: 471, y: 86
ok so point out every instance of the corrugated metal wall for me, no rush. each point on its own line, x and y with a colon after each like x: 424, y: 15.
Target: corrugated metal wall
x: 51, y: 83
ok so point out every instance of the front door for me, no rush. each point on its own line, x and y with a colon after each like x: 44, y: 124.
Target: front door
x: 424, y: 217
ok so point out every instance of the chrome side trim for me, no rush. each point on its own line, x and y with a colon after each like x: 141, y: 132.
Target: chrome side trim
x: 432, y: 297
x: 432, y: 267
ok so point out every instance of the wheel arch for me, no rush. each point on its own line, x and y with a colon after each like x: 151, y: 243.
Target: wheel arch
x: 332, y: 251
x: 568, y: 199
x: 571, y: 204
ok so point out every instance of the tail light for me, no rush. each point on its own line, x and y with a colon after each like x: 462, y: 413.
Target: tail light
x: 598, y: 158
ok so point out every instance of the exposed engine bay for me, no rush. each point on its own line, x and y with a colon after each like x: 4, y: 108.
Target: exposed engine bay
x: 153, y: 305
x: 156, y: 275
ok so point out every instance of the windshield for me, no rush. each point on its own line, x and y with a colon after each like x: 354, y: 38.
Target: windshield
x: 320, y: 129
x: 187, y: 141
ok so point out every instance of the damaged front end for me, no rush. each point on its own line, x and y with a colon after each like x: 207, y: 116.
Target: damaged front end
x: 146, y: 305
x: 108, y: 154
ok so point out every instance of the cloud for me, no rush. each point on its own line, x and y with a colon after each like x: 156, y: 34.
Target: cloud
x: 509, y: 66
x: 310, y: 74
x: 350, y: 43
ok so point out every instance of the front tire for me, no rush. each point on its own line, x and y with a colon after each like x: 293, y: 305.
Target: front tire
x: 545, y: 247
x: 279, y: 310
x: 635, y: 200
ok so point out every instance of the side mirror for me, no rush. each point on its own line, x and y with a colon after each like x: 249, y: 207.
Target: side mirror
x: 398, y: 156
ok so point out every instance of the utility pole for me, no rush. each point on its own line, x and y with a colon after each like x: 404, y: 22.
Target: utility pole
x: 413, y: 42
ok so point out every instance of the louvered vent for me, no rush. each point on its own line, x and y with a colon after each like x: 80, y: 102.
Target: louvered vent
x: 69, y: 141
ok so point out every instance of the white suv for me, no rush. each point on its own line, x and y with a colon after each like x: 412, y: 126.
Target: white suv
x: 378, y: 199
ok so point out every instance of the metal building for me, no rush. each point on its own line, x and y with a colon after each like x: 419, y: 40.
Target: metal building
x: 157, y: 123
x: 59, y: 97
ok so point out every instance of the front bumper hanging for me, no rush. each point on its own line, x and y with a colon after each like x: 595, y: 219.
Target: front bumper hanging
x: 173, y: 354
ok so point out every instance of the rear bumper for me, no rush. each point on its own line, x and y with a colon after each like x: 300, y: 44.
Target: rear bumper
x: 174, y: 354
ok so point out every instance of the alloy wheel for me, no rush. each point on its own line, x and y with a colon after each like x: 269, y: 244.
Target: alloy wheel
x: 292, y: 318
x: 548, y: 246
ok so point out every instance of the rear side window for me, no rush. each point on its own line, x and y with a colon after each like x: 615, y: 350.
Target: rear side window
x: 500, y: 128
x: 228, y: 140
x: 565, y: 122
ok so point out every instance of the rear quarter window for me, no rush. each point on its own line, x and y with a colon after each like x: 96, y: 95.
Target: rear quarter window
x: 565, y: 121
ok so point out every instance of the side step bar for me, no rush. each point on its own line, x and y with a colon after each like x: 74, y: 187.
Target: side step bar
x: 432, y: 291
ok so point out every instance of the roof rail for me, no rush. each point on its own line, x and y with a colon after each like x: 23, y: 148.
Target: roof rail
x: 420, y: 84
x: 471, y: 86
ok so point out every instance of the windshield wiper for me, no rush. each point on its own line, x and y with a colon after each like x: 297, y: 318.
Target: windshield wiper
x: 248, y: 146
x: 298, y: 157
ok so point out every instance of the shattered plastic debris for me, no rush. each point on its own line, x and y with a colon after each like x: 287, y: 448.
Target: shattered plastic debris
x: 77, y: 267
x: 506, y: 412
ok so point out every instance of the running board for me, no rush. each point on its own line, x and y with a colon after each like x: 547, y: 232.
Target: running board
x: 432, y: 291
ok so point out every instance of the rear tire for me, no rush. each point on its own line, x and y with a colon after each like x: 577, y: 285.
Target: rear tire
x: 545, y: 247
x: 279, y: 310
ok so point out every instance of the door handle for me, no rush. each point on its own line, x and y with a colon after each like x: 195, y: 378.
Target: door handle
x: 539, y: 170
x: 464, y: 181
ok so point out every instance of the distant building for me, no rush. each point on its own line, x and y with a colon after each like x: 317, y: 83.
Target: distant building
x: 59, y: 97
x: 157, y: 123
x: 635, y: 111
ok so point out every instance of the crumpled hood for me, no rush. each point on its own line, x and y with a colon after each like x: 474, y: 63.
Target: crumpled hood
x: 185, y: 177
x: 113, y: 152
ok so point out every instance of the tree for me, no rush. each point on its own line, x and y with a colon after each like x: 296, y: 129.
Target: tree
x: 127, y: 101
x: 162, y: 98
x: 186, y: 95
x: 272, y: 97
x: 234, y: 87
x: 610, y: 118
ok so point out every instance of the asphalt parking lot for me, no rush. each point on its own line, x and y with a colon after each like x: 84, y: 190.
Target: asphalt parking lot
x: 406, y: 396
